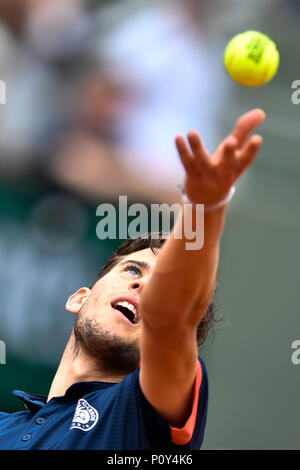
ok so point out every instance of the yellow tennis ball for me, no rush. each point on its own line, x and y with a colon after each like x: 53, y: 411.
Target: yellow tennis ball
x: 251, y: 58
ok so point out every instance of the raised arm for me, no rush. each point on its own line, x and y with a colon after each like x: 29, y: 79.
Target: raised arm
x: 176, y: 297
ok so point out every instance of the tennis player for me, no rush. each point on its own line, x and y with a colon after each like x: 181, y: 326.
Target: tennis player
x: 130, y: 376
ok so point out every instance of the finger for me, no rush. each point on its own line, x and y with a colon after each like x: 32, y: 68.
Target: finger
x: 247, y: 123
x: 247, y: 155
x: 200, y: 155
x: 227, y: 155
x: 185, y: 155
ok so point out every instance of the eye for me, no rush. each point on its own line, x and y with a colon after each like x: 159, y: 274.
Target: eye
x: 134, y: 270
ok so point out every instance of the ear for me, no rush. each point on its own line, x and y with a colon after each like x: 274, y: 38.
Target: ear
x: 76, y: 300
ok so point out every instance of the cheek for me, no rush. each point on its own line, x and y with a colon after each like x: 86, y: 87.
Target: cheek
x: 114, y: 281
x: 107, y: 288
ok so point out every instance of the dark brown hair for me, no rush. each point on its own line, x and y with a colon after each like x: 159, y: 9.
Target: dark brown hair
x: 154, y: 242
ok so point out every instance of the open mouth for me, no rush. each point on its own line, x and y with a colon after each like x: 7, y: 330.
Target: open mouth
x: 128, y: 310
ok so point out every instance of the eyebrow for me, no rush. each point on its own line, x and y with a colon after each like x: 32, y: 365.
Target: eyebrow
x: 141, y: 264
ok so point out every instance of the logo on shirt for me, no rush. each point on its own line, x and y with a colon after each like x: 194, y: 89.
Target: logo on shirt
x: 85, y: 416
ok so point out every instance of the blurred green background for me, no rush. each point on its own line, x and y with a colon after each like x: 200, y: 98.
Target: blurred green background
x: 88, y: 106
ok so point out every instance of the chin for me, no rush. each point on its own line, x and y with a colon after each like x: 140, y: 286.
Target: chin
x: 112, y: 346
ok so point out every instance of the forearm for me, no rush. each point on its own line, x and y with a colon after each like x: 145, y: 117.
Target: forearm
x: 184, y: 277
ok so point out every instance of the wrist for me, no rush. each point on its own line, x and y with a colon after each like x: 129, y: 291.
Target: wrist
x: 208, y: 208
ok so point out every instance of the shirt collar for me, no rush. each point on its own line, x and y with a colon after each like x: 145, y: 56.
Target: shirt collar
x: 77, y: 390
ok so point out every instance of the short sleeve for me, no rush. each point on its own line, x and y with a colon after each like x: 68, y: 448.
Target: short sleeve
x: 188, y: 437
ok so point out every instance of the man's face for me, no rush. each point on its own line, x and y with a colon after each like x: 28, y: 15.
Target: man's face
x: 108, y: 325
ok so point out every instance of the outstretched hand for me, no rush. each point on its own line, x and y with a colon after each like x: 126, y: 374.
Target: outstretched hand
x: 208, y: 178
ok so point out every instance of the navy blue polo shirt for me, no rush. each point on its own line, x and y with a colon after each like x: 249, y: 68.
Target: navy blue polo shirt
x: 103, y: 416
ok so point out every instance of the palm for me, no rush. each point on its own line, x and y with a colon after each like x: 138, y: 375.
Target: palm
x: 208, y: 178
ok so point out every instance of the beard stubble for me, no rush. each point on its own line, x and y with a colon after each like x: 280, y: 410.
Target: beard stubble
x: 113, y: 354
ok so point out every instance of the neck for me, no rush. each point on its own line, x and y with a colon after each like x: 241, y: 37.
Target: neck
x: 77, y: 367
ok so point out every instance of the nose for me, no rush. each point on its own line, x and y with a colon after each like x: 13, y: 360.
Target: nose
x: 138, y: 284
